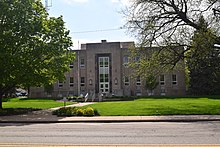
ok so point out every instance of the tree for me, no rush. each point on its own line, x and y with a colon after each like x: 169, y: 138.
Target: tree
x: 34, y: 49
x: 171, y: 25
x: 204, y: 66
x: 151, y: 83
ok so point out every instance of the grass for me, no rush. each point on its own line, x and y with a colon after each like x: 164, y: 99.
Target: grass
x: 12, y: 106
x: 39, y: 103
x: 160, y: 106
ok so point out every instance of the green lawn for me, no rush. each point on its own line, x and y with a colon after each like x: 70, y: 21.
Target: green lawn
x: 160, y: 106
x: 39, y: 103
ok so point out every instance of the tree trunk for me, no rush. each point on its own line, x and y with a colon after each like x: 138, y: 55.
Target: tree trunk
x: 4, y: 90
x: 1, y: 96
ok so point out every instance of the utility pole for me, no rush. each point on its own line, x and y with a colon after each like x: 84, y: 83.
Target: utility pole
x: 47, y: 4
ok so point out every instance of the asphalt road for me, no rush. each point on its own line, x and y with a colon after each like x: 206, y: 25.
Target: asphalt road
x: 112, y: 133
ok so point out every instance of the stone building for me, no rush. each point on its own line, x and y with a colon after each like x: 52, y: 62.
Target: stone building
x: 103, y: 68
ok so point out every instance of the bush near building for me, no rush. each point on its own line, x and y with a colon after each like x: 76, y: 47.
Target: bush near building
x: 76, y: 111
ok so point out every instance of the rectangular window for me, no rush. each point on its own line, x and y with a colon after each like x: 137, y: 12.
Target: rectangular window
x: 82, y: 81
x: 137, y: 58
x: 126, y: 81
x: 103, y: 63
x: 71, y: 65
x: 162, y: 80
x: 82, y: 63
x: 174, y: 79
x: 71, y: 81
x: 106, y: 62
x: 60, y: 84
x: 125, y: 61
x: 138, y: 82
x: 163, y: 92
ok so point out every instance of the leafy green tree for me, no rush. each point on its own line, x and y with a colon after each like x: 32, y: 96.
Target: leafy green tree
x: 175, y: 27
x: 48, y: 88
x: 34, y: 49
x: 169, y: 24
x: 204, y: 66
x: 151, y: 82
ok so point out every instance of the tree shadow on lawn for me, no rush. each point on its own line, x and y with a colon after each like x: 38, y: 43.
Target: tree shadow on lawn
x: 217, y: 97
x: 26, y: 116
x: 16, y: 111
x: 177, y: 111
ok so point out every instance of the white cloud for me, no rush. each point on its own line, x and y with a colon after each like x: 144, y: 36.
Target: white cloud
x: 75, y: 1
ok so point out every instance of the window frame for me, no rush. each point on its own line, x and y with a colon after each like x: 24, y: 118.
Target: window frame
x: 162, y: 80
x: 60, y: 84
x: 137, y: 58
x: 71, y: 81
x: 125, y: 60
x: 71, y: 65
x: 138, y: 81
x: 82, y: 62
x: 126, y: 81
x: 82, y: 81
x: 174, y: 79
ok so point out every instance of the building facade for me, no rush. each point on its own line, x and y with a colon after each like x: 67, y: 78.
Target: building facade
x: 103, y: 68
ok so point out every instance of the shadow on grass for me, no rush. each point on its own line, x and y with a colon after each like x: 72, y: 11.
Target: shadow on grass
x: 180, y: 97
x: 37, y: 99
x: 26, y: 116
x: 16, y: 111
x: 28, y: 99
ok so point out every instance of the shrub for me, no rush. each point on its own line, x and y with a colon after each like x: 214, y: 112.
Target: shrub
x: 96, y: 113
x: 80, y: 112
x: 89, y: 112
x: 65, y: 111
x: 70, y: 111
x: 60, y: 111
x: 74, y: 111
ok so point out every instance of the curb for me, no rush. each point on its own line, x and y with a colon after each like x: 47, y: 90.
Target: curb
x: 112, y: 121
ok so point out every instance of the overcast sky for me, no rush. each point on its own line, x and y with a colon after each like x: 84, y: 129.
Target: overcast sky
x: 86, y: 18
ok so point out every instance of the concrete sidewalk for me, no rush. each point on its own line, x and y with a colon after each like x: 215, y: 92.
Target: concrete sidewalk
x: 45, y: 116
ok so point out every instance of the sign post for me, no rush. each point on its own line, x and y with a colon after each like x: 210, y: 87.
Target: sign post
x: 64, y: 101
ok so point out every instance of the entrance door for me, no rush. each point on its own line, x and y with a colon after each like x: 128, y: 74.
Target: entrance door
x: 104, y: 74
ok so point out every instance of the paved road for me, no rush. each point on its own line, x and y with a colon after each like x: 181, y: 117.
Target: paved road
x: 112, y: 133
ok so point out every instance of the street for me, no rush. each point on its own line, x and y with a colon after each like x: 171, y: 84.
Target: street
x: 112, y: 133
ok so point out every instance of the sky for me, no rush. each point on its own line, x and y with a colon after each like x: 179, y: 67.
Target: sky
x: 87, y: 18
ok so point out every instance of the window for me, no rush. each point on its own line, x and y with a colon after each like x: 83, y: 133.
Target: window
x: 106, y: 62
x: 82, y: 63
x: 82, y: 81
x: 90, y: 81
x: 71, y: 81
x: 125, y: 61
x: 137, y: 58
x: 174, y: 79
x: 103, y: 74
x: 126, y: 81
x: 162, y: 80
x: 162, y: 92
x: 60, y: 84
x: 138, y: 82
x: 71, y: 65
x: 101, y: 62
